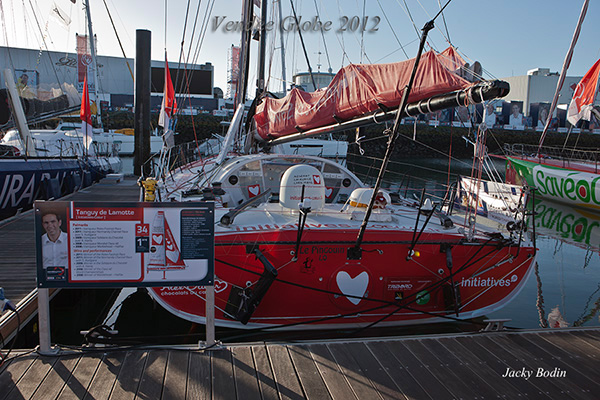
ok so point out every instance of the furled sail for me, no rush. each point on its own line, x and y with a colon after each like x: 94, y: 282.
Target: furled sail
x: 356, y: 90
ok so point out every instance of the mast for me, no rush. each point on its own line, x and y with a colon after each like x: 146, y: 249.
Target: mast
x: 94, y: 63
x: 242, y: 87
x: 355, y: 252
x: 281, y: 48
x: 19, y: 114
x: 260, y: 85
x: 563, y: 72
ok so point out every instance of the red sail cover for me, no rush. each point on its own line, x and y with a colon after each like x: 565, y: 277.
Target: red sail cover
x: 452, y: 60
x: 356, y: 90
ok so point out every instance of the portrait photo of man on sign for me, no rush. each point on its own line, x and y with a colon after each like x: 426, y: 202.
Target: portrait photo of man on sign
x: 53, y: 241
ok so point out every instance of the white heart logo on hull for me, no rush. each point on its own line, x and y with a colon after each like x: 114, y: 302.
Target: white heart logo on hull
x: 328, y: 192
x: 356, y: 286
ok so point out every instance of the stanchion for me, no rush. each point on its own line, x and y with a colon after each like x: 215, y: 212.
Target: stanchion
x: 210, y: 343
x: 45, y: 348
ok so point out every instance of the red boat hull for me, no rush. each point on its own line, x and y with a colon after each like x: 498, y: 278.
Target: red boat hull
x: 324, y: 289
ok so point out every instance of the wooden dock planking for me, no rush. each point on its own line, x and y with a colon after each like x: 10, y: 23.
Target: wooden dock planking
x: 222, y: 373
x: 528, y: 361
x: 481, y: 368
x: 373, y: 370
x: 12, y: 373
x: 32, y: 378
x: 78, y: 383
x: 355, y: 375
x: 103, y: 382
x: 576, y: 379
x: 334, y: 379
x: 175, y: 385
x: 518, y: 360
x: 284, y: 373
x: 496, y: 359
x: 460, y: 367
x: 199, y: 382
x: 264, y: 372
x: 560, y: 350
x: 151, y: 384
x: 419, y: 370
x: 444, y: 367
x: 55, y: 380
x: 129, y: 376
x: 244, y: 371
x: 397, y: 371
x: 453, y: 383
x: 308, y: 373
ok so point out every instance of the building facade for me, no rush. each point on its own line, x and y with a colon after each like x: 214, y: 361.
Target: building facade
x: 46, y: 73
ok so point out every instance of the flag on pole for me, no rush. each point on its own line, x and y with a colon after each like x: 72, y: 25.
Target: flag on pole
x: 583, y: 96
x: 86, y: 118
x: 60, y: 16
x: 168, y: 107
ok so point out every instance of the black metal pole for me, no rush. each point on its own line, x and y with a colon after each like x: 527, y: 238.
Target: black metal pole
x: 355, y: 252
x: 142, y: 103
x: 312, y: 78
x: 260, y: 84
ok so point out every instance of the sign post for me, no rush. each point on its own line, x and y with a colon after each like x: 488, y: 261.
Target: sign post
x: 118, y: 244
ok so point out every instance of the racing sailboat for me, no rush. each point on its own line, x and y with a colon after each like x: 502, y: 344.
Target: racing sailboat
x: 301, y: 243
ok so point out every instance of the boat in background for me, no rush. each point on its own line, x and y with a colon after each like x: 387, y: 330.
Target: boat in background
x: 570, y: 176
x: 29, y: 172
x: 498, y: 201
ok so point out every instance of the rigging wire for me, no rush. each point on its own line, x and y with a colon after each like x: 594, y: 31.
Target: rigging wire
x: 323, y: 38
x: 312, y: 78
x: 119, y: 39
x: 181, y: 86
x: 46, y: 46
x: 407, y: 11
x: 362, y: 33
x: 445, y: 25
x: 393, y: 31
x: 203, y: 29
x: 342, y: 43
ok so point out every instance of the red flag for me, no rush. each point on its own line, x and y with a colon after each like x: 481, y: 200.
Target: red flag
x: 86, y: 118
x: 169, y: 105
x: 584, y: 95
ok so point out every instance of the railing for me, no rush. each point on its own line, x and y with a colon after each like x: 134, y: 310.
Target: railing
x: 62, y: 148
x: 558, y: 153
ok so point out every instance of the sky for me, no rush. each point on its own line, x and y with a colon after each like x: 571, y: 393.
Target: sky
x: 507, y: 37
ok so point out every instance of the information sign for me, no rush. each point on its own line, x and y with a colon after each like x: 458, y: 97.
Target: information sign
x: 117, y: 244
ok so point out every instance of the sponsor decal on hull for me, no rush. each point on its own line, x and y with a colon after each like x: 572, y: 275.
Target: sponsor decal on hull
x: 568, y: 186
